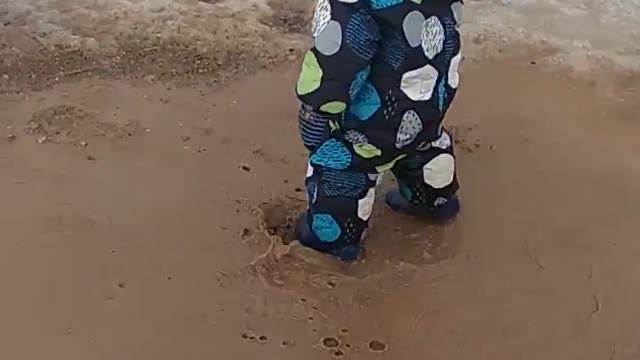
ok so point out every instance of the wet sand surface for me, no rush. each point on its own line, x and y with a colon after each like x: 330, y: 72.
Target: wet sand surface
x: 142, y: 221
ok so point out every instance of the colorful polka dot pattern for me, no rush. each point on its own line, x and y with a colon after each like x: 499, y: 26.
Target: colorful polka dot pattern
x: 362, y: 32
x: 355, y: 137
x: 358, y: 81
x: 367, y: 151
x: 440, y: 171
x: 432, y: 37
x: 343, y: 183
x: 321, y: 16
x: 366, y: 102
x: 365, y: 205
x: 311, y: 75
x: 377, y: 68
x: 329, y: 40
x: 382, y: 4
x: 393, y: 49
x: 333, y: 155
x: 409, y: 129
x: 325, y: 227
x: 313, y: 127
x: 418, y: 84
x: 413, y: 25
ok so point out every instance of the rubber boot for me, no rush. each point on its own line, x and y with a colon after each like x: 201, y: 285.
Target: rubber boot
x: 306, y: 237
x: 442, y: 213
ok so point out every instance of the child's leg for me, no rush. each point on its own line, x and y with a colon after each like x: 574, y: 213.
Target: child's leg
x: 340, y: 204
x: 427, y: 182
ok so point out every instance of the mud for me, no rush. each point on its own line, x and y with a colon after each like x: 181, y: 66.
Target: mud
x: 166, y: 251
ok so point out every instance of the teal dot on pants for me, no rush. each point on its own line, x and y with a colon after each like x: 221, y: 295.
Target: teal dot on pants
x: 366, y: 102
x: 333, y: 155
x: 325, y: 227
x: 381, y: 4
x: 358, y: 81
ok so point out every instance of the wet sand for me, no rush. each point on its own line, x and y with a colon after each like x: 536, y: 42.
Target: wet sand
x: 139, y: 232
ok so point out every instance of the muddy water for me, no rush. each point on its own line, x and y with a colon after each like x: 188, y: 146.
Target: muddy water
x: 155, y: 245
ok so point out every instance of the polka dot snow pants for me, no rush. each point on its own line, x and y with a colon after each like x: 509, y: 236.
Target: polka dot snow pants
x: 375, y: 87
x: 341, y: 201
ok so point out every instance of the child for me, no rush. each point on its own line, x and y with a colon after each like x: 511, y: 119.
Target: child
x: 374, y: 89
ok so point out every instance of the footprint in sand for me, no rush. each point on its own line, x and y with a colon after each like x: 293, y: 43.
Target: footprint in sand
x: 377, y: 346
x: 330, y: 342
x: 278, y: 218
